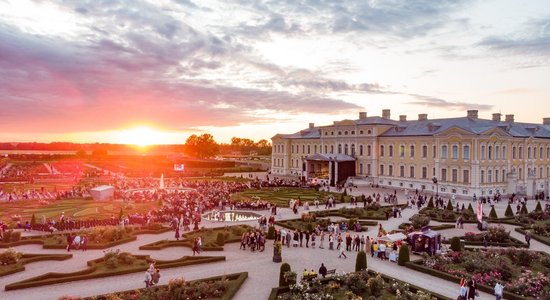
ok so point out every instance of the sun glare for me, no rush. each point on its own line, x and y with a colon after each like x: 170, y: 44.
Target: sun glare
x: 141, y: 136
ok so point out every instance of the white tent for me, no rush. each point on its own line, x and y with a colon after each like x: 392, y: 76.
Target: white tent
x: 393, y: 237
x: 102, y: 192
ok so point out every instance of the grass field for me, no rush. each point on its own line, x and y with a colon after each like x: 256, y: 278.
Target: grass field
x: 76, y: 209
x: 281, y: 196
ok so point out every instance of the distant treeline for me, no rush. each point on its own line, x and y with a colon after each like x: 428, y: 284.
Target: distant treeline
x: 67, y: 146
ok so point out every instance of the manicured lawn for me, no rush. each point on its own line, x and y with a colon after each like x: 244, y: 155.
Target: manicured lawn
x: 76, y: 209
x: 281, y: 196
x: 373, y: 212
x: 110, y: 265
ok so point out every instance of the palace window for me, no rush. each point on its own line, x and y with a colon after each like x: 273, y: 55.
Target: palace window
x: 381, y: 169
x: 454, y: 175
x: 402, y: 171
x: 466, y: 176
x: 424, y: 151
x: 401, y: 151
x: 411, y: 148
x: 443, y: 175
x: 490, y: 154
x: 411, y: 172
x: 391, y: 151
x: 434, y: 151
x: 454, y: 152
x: 381, y: 150
x: 482, y: 152
x: 360, y: 150
x: 352, y: 149
x: 390, y: 170
x: 444, y: 151
x: 503, y: 152
x: 346, y: 149
x: 513, y: 152
x: 339, y: 148
x: 369, y: 150
x: 482, y: 176
x: 466, y: 152
x: 424, y: 172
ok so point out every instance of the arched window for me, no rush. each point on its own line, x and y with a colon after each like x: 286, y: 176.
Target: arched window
x: 360, y: 150
x: 411, y: 148
x: 444, y: 151
x: 339, y: 148
x: 381, y: 150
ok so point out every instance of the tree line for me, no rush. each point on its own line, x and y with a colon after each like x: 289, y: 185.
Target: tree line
x: 204, y: 145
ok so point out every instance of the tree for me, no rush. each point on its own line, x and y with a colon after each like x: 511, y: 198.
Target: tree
x: 455, y: 244
x: 80, y: 153
x: 33, y: 220
x: 493, y: 213
x: 271, y: 233
x: 538, y: 207
x: 449, y: 205
x: 523, y: 210
x: 361, y: 261
x: 120, y: 213
x: 470, y: 208
x: 220, y: 239
x: 202, y: 146
x: 509, y: 212
x: 284, y: 268
x: 431, y: 203
x: 403, y: 255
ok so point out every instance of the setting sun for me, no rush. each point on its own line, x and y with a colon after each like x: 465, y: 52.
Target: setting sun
x: 141, y: 136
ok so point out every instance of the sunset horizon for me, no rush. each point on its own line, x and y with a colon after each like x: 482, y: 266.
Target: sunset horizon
x: 157, y: 72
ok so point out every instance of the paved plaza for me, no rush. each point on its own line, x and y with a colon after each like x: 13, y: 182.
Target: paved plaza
x: 263, y: 273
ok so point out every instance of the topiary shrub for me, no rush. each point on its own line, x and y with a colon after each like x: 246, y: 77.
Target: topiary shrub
x: 7, y: 236
x: 455, y: 244
x: 470, y: 208
x: 15, y: 236
x: 403, y: 255
x: 493, y: 213
x: 449, y: 205
x: 271, y: 233
x: 538, y: 207
x: 112, y: 262
x: 419, y: 221
x: 523, y: 210
x: 33, y: 220
x: 285, y: 267
x: 9, y: 257
x: 361, y: 261
x: 220, y: 239
x: 509, y: 212
x: 431, y: 202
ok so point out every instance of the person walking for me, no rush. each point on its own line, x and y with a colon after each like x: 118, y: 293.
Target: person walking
x: 155, y: 277
x: 177, y: 234
x: 499, y: 290
x: 472, y: 289
x: 147, y: 279
x: 528, y: 239
x: 323, y: 271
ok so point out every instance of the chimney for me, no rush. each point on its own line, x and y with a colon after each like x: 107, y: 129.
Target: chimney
x: 472, y: 114
x: 510, y: 118
x: 546, y: 121
x: 422, y: 117
x: 362, y: 115
x: 402, y: 118
x: 311, y: 125
x: 496, y: 117
x: 386, y: 113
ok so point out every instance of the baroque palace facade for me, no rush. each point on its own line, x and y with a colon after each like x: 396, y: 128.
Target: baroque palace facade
x: 462, y: 156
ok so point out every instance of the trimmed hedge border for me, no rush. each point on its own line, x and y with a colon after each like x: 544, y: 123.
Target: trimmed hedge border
x: 417, y: 266
x: 236, y: 281
x: 275, y: 292
x: 90, y: 273
x: 516, y: 243
x: 433, y: 227
x: 38, y: 239
x: 283, y: 223
x: 535, y: 236
x: 337, y: 213
x: 27, y: 258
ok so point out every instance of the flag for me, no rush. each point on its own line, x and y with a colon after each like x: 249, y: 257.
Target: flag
x: 479, y: 211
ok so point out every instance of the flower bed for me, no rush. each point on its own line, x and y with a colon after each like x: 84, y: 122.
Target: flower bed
x: 408, y: 227
x: 218, y: 287
x: 13, y: 262
x: 310, y: 224
x: 497, y: 235
x: 445, y: 216
x: 281, y: 195
x: 524, y: 273
x: 364, y: 284
x: 232, y: 234
x: 112, y: 264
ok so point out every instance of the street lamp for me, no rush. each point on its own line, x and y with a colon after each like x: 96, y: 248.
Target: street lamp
x: 434, y: 179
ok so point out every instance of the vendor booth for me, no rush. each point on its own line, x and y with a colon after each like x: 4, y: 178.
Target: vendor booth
x: 427, y: 241
x: 390, y: 239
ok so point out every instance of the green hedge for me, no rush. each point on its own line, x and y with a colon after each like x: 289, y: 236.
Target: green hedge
x: 417, y: 265
x: 515, y: 243
x: 236, y: 281
x: 91, y: 271
x: 542, y: 239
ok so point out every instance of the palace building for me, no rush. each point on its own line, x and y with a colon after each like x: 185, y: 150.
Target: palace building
x: 455, y: 156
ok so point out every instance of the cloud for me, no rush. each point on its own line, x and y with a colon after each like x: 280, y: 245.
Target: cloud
x: 536, y: 43
x: 441, y: 103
